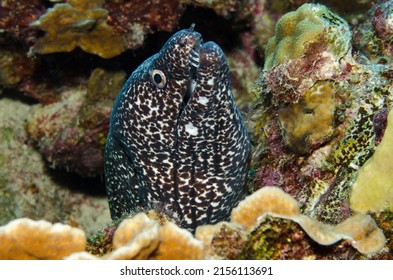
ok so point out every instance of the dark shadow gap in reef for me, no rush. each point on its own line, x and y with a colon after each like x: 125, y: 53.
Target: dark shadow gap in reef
x: 224, y: 32
x: 13, y: 94
x: 90, y: 186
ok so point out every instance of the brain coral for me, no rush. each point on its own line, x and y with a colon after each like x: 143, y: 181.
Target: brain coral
x: 297, y: 31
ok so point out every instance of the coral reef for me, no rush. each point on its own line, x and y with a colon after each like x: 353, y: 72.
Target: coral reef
x: 318, y: 123
x: 244, y: 72
x: 136, y: 238
x: 384, y: 220
x: 134, y: 20
x: 22, y: 185
x: 14, y: 67
x: 309, y: 122
x: 256, y: 232
x: 27, y: 239
x: 99, y: 243
x: 141, y: 237
x: 217, y: 237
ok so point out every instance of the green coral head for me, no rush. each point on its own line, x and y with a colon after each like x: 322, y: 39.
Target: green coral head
x: 297, y: 31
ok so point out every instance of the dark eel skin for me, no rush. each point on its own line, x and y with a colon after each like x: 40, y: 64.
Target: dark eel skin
x: 176, y: 137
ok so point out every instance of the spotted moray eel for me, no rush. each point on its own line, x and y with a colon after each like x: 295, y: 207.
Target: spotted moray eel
x: 176, y: 137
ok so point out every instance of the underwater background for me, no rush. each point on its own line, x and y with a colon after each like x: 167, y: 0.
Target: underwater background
x: 313, y: 80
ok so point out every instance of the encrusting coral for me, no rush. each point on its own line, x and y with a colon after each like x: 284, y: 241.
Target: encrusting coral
x: 268, y: 200
x: 78, y: 24
x: 28, y: 239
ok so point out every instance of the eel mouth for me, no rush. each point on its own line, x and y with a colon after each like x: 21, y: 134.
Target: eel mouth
x: 193, y: 63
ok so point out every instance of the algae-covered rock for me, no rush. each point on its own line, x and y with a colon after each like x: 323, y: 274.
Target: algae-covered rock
x: 25, y: 192
x: 27, y: 189
x: 374, y: 36
x: 15, y: 19
x: 244, y: 73
x: 71, y: 133
x: 14, y: 66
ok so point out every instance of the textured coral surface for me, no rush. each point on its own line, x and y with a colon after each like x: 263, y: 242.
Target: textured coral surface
x: 314, y: 83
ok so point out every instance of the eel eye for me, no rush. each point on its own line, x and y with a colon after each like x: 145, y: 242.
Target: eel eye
x: 158, y: 78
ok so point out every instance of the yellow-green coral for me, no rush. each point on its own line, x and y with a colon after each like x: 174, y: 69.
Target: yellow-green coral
x: 373, y: 188
x: 269, y: 240
x: 310, y: 121
x: 298, y: 30
x: 84, y: 26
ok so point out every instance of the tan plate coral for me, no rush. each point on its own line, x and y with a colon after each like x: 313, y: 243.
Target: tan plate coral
x: 27, y: 239
x: 143, y: 238
x: 360, y: 229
